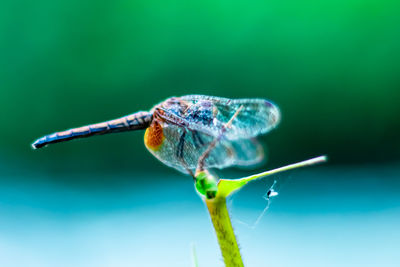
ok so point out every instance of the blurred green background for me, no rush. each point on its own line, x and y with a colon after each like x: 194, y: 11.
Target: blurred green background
x: 332, y: 67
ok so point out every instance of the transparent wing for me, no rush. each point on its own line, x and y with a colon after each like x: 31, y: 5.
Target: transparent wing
x: 256, y: 117
x: 182, y: 148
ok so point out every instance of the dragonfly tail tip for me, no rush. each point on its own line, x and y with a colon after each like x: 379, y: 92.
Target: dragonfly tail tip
x: 35, y: 145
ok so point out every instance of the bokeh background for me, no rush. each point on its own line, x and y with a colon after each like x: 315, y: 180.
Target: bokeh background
x: 332, y: 67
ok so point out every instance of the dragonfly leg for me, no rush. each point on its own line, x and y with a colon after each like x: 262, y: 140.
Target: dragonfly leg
x: 183, y: 162
x: 202, y: 159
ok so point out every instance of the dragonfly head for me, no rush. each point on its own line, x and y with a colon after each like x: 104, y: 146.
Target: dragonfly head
x: 206, y: 184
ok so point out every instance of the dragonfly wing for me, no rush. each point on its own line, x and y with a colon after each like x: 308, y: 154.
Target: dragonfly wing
x: 256, y: 117
x: 239, y: 152
x: 182, y: 148
x: 247, y: 151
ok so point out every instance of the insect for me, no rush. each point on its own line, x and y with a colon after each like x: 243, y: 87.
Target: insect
x: 183, y: 132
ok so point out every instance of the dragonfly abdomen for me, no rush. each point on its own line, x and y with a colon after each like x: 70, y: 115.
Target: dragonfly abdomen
x: 136, y: 121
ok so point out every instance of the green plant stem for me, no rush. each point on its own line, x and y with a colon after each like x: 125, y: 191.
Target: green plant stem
x: 219, y: 212
x: 223, y: 228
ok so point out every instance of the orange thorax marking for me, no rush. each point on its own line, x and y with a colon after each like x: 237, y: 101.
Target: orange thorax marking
x: 154, y: 136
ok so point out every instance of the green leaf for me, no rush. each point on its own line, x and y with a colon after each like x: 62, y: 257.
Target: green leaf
x: 226, y: 187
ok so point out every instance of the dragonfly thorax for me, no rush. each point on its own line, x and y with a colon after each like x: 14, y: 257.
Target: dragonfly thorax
x: 181, y: 112
x: 201, y: 112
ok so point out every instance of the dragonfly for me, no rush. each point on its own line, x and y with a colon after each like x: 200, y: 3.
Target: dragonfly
x: 183, y: 131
